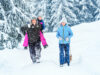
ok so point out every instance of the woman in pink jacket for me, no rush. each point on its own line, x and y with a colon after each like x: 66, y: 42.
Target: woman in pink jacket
x: 42, y: 38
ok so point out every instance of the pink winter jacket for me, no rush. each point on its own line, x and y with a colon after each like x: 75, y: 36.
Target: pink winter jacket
x: 25, y: 44
x: 42, y: 38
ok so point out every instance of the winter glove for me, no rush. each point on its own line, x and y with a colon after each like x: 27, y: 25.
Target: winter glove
x: 25, y: 47
x: 60, y: 38
x: 45, y: 46
x: 43, y: 31
x: 67, y: 39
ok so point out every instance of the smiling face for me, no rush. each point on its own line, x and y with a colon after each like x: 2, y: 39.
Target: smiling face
x: 63, y: 23
x: 34, y: 21
x: 40, y: 18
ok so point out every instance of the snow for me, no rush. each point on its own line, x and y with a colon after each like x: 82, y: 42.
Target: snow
x: 85, y: 47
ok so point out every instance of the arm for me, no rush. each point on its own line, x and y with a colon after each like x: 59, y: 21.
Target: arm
x: 39, y: 27
x: 43, y: 25
x: 24, y: 30
x: 58, y: 35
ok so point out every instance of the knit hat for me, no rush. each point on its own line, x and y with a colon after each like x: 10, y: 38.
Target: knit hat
x: 63, y: 19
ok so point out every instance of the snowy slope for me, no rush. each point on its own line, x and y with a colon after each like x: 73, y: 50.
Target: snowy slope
x: 85, y: 48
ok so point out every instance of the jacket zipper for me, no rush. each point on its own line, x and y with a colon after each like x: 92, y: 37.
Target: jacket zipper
x: 63, y: 34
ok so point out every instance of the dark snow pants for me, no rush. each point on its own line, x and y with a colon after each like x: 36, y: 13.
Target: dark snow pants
x: 64, y: 53
x: 35, y: 51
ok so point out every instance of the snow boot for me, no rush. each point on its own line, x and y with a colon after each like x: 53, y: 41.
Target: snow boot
x: 61, y: 65
x: 68, y: 64
x: 38, y: 61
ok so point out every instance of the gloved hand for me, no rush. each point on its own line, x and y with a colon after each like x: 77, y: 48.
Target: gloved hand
x: 67, y: 39
x: 43, y: 31
x: 25, y: 47
x: 45, y: 46
x: 60, y: 38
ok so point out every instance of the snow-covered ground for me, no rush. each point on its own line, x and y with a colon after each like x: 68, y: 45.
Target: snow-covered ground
x: 85, y: 48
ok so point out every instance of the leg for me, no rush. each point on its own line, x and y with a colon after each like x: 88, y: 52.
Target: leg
x: 38, y: 51
x: 61, y: 47
x: 32, y: 52
x: 67, y: 57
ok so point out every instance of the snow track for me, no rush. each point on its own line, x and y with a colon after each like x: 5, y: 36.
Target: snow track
x: 84, y: 48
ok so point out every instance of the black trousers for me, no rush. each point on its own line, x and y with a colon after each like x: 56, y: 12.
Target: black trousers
x: 35, y: 51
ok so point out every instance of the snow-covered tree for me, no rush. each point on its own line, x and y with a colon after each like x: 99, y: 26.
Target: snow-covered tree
x: 50, y: 14
x: 1, y: 42
x: 16, y: 13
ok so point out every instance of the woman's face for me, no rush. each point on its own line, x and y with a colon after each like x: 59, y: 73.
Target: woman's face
x: 40, y: 18
x: 63, y: 23
x: 34, y: 21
